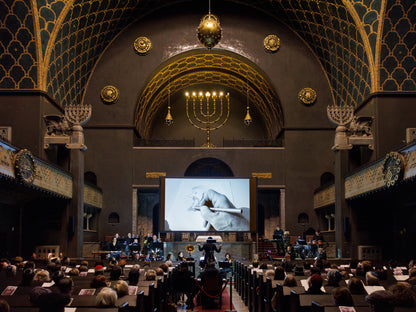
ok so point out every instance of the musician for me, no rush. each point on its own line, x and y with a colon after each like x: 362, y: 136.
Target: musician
x: 300, y: 247
x: 278, y: 237
x: 115, y: 247
x: 290, y: 254
x: 209, y: 247
x: 317, y: 241
x: 321, y: 253
x: 135, y: 248
x: 181, y: 257
x: 146, y: 243
x: 127, y: 243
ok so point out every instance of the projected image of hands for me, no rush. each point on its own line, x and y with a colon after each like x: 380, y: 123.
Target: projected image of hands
x: 207, y: 205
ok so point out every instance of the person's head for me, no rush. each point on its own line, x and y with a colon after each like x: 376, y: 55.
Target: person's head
x: 73, y: 272
x: 11, y: 270
x: 403, y: 294
x: 381, y: 301
x: 116, y: 236
x: 263, y: 266
x: 107, y: 297
x: 99, y: 269
x: 129, y: 235
x: 334, y: 277
x: 4, y: 306
x: 367, y: 266
x: 27, y: 277
x: 168, y: 263
x: 343, y: 297
x: 279, y: 273
x: 159, y: 272
x: 277, y: 227
x: 29, y: 265
x: 115, y: 272
x: 228, y: 256
x: 412, y: 272
x: 315, y: 281
x: 57, y: 275
x: 98, y: 281
x: 356, y: 286
x: 256, y: 264
x: 41, y: 276
x: 317, y: 232
x: 164, y: 267
x: 36, y: 292
x: 134, y: 275
x: 121, y: 288
x: 371, y: 279
x: 290, y: 281
x: 269, y: 274
x: 150, y: 275
x: 65, y: 285
x: 180, y: 254
x: 114, y: 240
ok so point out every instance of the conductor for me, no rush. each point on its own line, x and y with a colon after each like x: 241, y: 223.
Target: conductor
x: 209, y: 247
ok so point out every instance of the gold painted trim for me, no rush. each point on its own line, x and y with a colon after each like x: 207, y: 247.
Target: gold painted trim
x: 109, y: 94
x: 262, y: 175
x: 271, y: 43
x: 360, y: 26
x: 155, y: 175
x: 38, y: 41
x: 307, y: 96
x: 378, y: 45
x: 51, y: 42
x: 142, y: 45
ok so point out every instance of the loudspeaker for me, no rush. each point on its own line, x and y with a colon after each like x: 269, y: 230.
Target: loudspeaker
x: 347, y: 227
x: 71, y: 225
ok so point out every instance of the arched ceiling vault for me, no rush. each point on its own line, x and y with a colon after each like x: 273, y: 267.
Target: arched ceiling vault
x: 364, y: 46
x: 216, y: 67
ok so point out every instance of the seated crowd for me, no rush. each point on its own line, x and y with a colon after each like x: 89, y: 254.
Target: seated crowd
x: 383, y: 288
x: 51, y: 285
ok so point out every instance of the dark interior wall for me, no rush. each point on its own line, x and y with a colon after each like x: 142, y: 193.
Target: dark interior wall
x: 393, y: 114
x: 308, y: 154
x: 23, y: 112
x: 109, y: 156
x: 292, y: 68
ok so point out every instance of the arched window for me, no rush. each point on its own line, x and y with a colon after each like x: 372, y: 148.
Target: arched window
x: 114, y: 218
x: 90, y: 178
x: 208, y: 167
x: 303, y: 218
x: 327, y: 178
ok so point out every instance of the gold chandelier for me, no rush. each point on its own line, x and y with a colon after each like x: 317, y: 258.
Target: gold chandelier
x: 209, y: 30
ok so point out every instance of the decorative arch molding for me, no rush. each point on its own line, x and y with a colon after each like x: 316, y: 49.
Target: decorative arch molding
x: 201, y: 66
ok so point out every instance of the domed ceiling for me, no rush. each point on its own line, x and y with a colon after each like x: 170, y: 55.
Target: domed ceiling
x: 364, y: 46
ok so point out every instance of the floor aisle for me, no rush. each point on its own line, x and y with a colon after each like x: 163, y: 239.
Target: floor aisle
x: 238, y: 304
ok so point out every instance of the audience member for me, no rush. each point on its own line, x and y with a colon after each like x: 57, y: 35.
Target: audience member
x: 356, y: 286
x: 73, y: 272
x: 290, y: 281
x: 334, y: 277
x: 4, y: 306
x: 315, y: 284
x: 56, y: 302
x: 134, y: 276
x: 269, y: 274
x: 36, y: 292
x: 343, y: 297
x: 99, y: 269
x: 27, y: 277
x: 164, y: 267
x: 121, y: 288
x: 115, y: 273
x: 412, y: 277
x: 403, y: 294
x: 106, y: 298
x: 279, y: 273
x: 159, y: 272
x: 41, y: 276
x: 150, y: 275
x: 98, y: 282
x: 371, y: 279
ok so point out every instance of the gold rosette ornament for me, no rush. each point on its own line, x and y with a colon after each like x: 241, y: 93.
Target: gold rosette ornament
x: 190, y: 249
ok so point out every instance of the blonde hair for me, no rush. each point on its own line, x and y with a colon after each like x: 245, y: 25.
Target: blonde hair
x: 150, y: 275
x: 122, y: 288
x: 42, y: 276
x: 107, y: 297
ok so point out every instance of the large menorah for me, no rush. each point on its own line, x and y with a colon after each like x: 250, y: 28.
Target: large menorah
x: 341, y: 116
x: 77, y: 115
x: 208, y: 117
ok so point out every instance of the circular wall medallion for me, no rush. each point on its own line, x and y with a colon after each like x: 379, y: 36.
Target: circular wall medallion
x: 24, y: 166
x: 271, y: 43
x: 393, y: 168
x: 142, y: 45
x: 307, y: 96
x: 109, y: 94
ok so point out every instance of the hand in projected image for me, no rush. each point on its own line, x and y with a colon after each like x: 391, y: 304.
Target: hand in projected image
x: 209, y: 203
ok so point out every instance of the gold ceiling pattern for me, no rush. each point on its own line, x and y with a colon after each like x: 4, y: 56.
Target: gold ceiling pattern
x: 363, y: 46
x: 217, y: 68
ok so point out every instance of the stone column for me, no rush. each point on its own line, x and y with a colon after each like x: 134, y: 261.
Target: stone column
x: 342, y: 214
x: 76, y: 206
x: 134, y: 212
x: 283, y: 209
